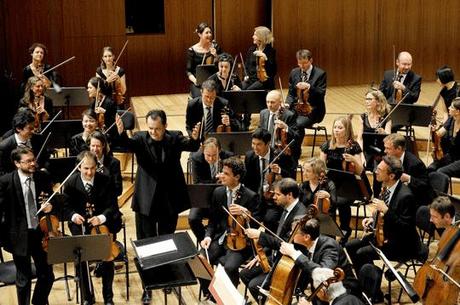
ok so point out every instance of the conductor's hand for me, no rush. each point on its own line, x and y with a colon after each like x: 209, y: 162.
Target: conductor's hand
x: 205, y: 243
x: 252, y: 233
x: 196, y: 131
x: 119, y: 123
x: 78, y: 219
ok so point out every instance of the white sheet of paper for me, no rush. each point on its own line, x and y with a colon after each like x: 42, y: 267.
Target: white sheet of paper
x: 223, y: 289
x: 156, y: 248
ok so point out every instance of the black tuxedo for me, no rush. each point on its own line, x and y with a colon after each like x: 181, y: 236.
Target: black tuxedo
x: 22, y: 242
x: 317, y: 92
x: 194, y: 114
x: 9, y: 144
x: 111, y: 168
x: 347, y: 299
x: 201, y: 170
x: 412, y: 82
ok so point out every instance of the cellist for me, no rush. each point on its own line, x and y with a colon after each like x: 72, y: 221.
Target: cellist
x: 286, y: 195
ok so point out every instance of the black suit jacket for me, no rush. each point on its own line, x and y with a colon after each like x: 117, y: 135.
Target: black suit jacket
x: 102, y: 196
x: 194, y: 114
x: 109, y: 116
x: 318, y: 83
x: 413, y: 82
x: 218, y: 217
x: 419, y: 184
x: 13, y: 212
x: 112, y: 169
x: 77, y: 144
x: 201, y: 170
x: 287, y: 117
x: 151, y: 170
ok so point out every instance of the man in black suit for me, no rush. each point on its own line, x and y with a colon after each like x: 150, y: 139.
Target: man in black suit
x: 206, y: 165
x: 23, y: 125
x: 311, y: 79
x: 286, y: 196
x: 21, y: 235
x: 209, y: 109
x: 276, y: 117
x: 405, y: 80
x: 257, y: 160
x: 237, y: 199
x: 90, y: 202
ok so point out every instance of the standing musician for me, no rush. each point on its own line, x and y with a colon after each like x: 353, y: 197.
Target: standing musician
x: 402, y: 78
x: 34, y: 98
x: 80, y: 141
x: 21, y: 235
x: 222, y: 77
x: 377, y: 109
x: 209, y: 109
x: 237, y: 199
x: 84, y: 188
x: 102, y: 104
x: 286, y: 195
x: 206, y: 166
x: 258, y: 176
x: 23, y: 126
x: 277, y: 118
x: 311, y: 79
x: 106, y: 163
x: 204, y: 51
x: 342, y: 148
x: 398, y: 205
x: 449, y: 87
x: 260, y: 61
x: 114, y: 77
x: 36, y: 68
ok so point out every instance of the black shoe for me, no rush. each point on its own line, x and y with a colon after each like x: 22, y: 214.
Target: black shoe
x: 146, y: 297
x: 98, y: 270
x: 344, y: 239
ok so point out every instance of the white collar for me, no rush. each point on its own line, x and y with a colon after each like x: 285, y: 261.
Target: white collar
x: 86, y: 181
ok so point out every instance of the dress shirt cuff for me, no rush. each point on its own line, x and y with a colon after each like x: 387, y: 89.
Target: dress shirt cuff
x: 296, y: 255
x: 74, y: 217
x: 102, y: 218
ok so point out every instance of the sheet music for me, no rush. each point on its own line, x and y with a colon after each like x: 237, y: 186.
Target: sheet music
x: 156, y: 248
x: 223, y: 289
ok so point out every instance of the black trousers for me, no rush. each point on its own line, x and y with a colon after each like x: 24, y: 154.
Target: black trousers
x: 195, y: 220
x: 253, y: 279
x: 45, y: 275
x: 151, y: 226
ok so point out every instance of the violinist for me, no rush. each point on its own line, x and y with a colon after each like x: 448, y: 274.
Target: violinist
x: 114, y: 77
x: 222, y: 77
x: 449, y: 88
x: 377, y: 109
x: 34, y: 98
x: 85, y: 187
x: 402, y: 78
x: 260, y: 61
x: 237, y: 198
x: 342, y: 149
x: 286, y: 195
x: 21, y: 235
x: 310, y: 81
x: 206, y: 167
x: 80, y: 141
x: 36, y: 68
x: 102, y: 104
x: 277, y: 120
x: 258, y: 177
x: 205, y: 51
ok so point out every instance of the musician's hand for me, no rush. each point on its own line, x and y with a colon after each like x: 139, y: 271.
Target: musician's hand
x: 205, y: 243
x: 113, y: 77
x: 94, y: 221
x: 367, y: 222
x: 236, y: 209
x: 322, y: 194
x: 78, y: 219
x: 405, y: 178
x: 99, y: 110
x: 252, y: 263
x: 287, y: 249
x: 303, y: 86
x: 119, y: 123
x: 259, y: 53
x: 219, y: 177
x: 196, y: 131
x: 380, y: 130
x: 236, y: 88
x: 275, y: 168
x: 349, y: 158
x: 380, y: 205
x: 281, y: 124
x: 40, y: 109
x: 398, y: 85
x: 226, y: 120
x: 304, y: 301
x: 48, y: 208
x: 213, y: 51
x: 252, y: 233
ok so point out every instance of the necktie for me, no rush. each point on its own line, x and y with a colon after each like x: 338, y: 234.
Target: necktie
x: 89, y: 189
x: 262, y: 174
x: 229, y: 197
x: 386, y: 196
x: 271, y: 124
x: 281, y: 223
x: 304, y: 76
x: 26, y: 144
x: 100, y: 167
x: 208, y: 126
x: 400, y: 77
x: 31, y: 206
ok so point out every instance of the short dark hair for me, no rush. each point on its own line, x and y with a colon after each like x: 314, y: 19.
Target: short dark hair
x: 89, y: 113
x: 311, y: 227
x: 262, y: 134
x: 155, y: 114
x: 443, y: 206
x: 394, y: 166
x: 445, y: 74
x: 236, y: 165
x: 201, y: 27
x: 286, y: 186
x: 23, y: 117
x: 101, y: 138
x: 38, y: 45
x: 86, y: 154
x: 397, y: 140
x: 17, y: 153
x: 211, y: 141
x: 98, y: 82
x: 304, y: 54
x: 209, y: 85
x: 225, y: 57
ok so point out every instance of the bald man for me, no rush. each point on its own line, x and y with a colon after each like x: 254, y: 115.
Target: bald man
x: 405, y: 79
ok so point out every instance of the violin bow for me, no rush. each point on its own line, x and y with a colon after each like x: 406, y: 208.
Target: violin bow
x: 236, y: 221
x: 121, y: 52
x: 50, y: 122
x: 114, y: 123
x: 277, y: 156
x: 58, y: 65
x: 43, y: 146
x: 231, y: 74
x: 392, y: 110
x: 244, y: 66
x: 260, y: 224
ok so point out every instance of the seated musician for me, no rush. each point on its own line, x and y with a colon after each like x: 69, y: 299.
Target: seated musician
x: 311, y: 79
x: 286, y: 195
x: 23, y: 126
x: 80, y: 141
x: 89, y: 187
x: 258, y: 178
x: 237, y: 199
x: 210, y: 110
x: 442, y: 213
x: 34, y: 98
x: 206, y: 165
x: 102, y: 103
x: 222, y: 77
x: 277, y: 118
x: 449, y: 87
x: 334, y: 293
x: 398, y: 205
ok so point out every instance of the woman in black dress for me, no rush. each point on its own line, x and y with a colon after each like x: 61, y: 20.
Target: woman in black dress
x: 221, y: 77
x: 114, y: 77
x: 80, y: 141
x: 36, y: 68
x: 102, y: 104
x: 449, y: 88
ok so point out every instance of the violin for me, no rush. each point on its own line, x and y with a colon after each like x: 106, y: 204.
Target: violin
x: 348, y: 166
x: 49, y: 225
x: 224, y: 128
x: 117, y: 93
x: 338, y: 276
x: 261, y: 72
x: 430, y: 284
x: 303, y: 107
x: 280, y: 134
x: 208, y: 59
x: 322, y: 204
x: 102, y: 229
x: 398, y: 93
x: 236, y: 239
x: 436, y: 151
x: 377, y: 225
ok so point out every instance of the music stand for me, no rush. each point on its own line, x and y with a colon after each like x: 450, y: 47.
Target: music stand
x: 201, y: 194
x: 412, y: 115
x: 402, y: 281
x: 75, y: 96
x: 328, y: 226
x: 63, y: 131
x: 59, y: 168
x: 203, y: 72
x: 347, y: 185
x: 238, y: 142
x: 246, y: 101
x: 373, y: 143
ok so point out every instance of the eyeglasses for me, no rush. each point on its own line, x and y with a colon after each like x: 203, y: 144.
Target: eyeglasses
x: 368, y: 98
